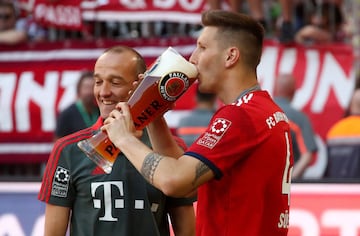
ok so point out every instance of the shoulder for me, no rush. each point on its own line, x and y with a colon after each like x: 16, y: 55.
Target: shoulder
x: 67, y: 140
x: 254, y: 103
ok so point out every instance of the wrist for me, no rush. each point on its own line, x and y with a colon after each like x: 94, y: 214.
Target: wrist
x: 124, y: 141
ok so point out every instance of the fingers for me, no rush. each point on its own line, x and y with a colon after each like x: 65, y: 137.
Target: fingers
x: 122, y: 108
x: 118, y: 107
x: 141, y: 77
x: 117, y: 113
x: 130, y: 93
x: 114, y: 114
x: 135, y: 84
x: 108, y: 120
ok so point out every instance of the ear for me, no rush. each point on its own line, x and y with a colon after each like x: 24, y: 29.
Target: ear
x: 232, y: 56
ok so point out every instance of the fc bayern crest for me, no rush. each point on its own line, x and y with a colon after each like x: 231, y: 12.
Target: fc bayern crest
x: 173, y: 85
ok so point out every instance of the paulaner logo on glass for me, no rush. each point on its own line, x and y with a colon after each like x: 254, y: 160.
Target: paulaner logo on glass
x: 173, y: 85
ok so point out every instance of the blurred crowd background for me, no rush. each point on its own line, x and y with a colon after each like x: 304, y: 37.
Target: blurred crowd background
x: 323, y: 21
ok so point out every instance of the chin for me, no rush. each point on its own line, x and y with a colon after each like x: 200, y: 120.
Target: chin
x: 105, y: 112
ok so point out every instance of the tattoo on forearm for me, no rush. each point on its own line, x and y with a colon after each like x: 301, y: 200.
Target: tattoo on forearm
x: 200, y: 170
x: 149, y: 166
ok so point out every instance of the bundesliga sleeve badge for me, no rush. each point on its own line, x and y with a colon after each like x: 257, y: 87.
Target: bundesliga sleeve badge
x: 214, y: 134
x: 60, y: 183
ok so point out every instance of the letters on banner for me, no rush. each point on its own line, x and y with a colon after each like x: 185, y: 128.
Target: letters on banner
x: 64, y: 14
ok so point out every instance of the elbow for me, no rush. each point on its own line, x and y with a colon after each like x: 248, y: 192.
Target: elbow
x: 174, y: 186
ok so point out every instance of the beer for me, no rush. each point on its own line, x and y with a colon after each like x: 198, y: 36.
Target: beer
x: 166, y: 80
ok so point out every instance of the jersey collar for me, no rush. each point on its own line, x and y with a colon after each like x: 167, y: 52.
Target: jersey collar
x: 98, y: 123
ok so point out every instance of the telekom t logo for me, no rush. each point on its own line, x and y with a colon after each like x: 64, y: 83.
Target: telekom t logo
x: 108, y: 201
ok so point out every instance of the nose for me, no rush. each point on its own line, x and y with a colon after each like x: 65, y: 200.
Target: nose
x: 192, y: 58
x: 105, y: 89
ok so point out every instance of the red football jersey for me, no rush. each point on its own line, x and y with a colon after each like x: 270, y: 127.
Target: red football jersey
x: 248, y: 147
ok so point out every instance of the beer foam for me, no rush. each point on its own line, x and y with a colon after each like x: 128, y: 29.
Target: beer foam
x: 171, y: 61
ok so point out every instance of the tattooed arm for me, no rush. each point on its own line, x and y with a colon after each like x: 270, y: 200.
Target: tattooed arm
x: 174, y: 177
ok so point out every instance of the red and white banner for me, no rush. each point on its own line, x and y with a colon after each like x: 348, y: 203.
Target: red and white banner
x: 144, y: 10
x: 39, y: 81
x: 69, y: 14
x: 64, y: 14
x: 325, y: 210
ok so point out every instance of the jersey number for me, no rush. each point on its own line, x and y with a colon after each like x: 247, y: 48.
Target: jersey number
x: 286, y: 180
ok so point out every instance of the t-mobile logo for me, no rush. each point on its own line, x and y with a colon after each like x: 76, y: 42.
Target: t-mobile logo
x: 108, y: 201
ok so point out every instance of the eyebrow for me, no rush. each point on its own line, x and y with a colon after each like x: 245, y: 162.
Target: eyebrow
x: 110, y: 77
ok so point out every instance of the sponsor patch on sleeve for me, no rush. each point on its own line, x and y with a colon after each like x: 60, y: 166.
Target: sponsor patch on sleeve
x: 214, y: 134
x: 61, y: 182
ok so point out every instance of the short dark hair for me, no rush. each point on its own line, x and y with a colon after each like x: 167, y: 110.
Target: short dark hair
x: 240, y: 30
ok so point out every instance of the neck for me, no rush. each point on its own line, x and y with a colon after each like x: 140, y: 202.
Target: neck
x: 235, y: 81
x: 234, y: 93
x: 255, y: 87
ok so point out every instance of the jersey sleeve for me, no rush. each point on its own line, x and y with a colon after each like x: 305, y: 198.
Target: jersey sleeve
x: 56, y: 187
x: 231, y: 132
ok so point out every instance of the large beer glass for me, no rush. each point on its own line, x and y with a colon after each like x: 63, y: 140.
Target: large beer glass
x: 164, y: 82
